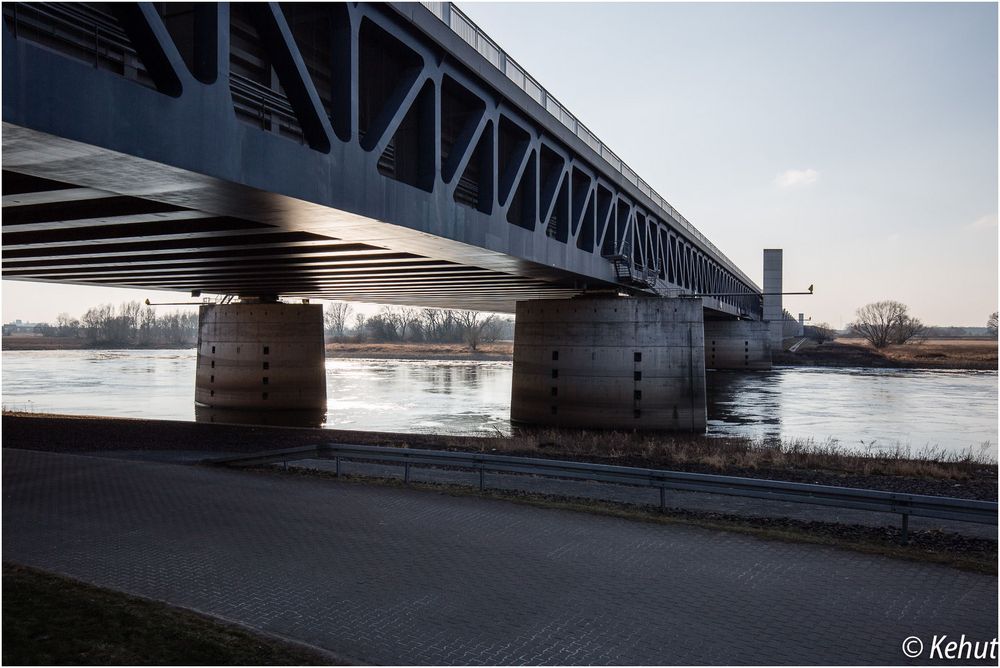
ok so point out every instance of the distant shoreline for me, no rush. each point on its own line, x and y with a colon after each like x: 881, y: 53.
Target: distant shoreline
x: 946, y: 354
x: 498, y: 351
x: 501, y: 351
x: 39, y: 343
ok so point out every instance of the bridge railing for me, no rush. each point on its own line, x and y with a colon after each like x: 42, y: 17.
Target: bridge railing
x: 81, y: 31
x: 905, y: 505
x: 465, y: 28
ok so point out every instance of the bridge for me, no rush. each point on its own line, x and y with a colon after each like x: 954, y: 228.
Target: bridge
x: 388, y: 153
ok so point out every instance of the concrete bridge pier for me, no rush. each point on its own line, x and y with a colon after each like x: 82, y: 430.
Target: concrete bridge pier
x: 737, y: 345
x: 610, y: 363
x: 261, y: 355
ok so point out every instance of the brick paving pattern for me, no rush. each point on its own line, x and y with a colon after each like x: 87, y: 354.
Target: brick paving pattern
x: 718, y: 503
x: 396, y: 576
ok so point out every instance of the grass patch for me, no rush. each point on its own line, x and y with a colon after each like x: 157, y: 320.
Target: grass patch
x: 790, y: 460
x: 965, y: 354
x: 664, y: 450
x: 966, y: 553
x: 52, y: 620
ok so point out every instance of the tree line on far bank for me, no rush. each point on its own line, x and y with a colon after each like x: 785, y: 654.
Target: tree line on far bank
x: 128, y: 324
x: 889, y: 322
x: 136, y: 324
x: 409, y: 324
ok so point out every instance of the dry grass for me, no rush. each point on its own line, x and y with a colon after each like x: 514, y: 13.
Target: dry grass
x: 942, y: 353
x: 726, y: 454
x: 44, y: 343
x: 732, y: 455
x: 955, y: 350
x: 53, y: 620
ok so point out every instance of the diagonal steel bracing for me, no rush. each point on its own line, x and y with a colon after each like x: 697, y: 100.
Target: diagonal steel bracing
x: 358, y: 151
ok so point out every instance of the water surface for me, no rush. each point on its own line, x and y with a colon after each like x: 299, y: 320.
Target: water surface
x: 946, y: 411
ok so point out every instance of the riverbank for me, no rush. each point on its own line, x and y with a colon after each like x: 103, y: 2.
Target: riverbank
x: 961, y: 354
x: 966, y: 477
x: 28, y: 343
x: 500, y: 351
x: 967, y: 354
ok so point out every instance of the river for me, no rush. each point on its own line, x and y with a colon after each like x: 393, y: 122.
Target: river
x: 930, y: 412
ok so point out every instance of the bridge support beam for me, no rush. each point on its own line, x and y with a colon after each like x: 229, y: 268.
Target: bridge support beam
x: 610, y: 363
x: 261, y: 356
x: 737, y: 344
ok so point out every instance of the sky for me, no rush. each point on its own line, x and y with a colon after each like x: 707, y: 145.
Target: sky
x: 860, y: 138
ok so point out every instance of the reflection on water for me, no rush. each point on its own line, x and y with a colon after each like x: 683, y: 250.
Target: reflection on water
x: 446, y: 397
x: 868, y: 408
x: 872, y: 409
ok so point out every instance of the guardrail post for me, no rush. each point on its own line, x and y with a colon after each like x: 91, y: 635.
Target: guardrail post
x: 336, y: 462
x: 663, y: 499
x: 482, y: 477
x: 906, y: 526
x: 406, y: 472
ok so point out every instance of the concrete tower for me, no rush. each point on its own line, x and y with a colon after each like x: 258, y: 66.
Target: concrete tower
x: 773, y: 312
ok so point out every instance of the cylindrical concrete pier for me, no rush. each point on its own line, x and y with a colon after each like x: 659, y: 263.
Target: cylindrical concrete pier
x: 261, y: 356
x: 737, y: 344
x: 610, y: 363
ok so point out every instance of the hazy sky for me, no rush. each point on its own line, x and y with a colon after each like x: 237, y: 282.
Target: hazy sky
x: 861, y: 138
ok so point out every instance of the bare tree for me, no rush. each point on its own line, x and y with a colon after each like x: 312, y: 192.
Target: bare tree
x: 384, y: 325
x: 359, y: 327
x: 440, y: 325
x: 821, y: 332
x: 474, y: 325
x: 127, y: 322
x: 885, y: 322
x: 67, y: 325
x: 906, y: 329
x: 335, y: 317
x: 991, y: 324
x: 147, y: 325
x: 405, y: 317
x: 97, y: 322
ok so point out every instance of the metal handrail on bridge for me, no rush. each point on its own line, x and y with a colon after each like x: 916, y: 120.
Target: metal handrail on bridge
x: 264, y: 103
x: 905, y: 505
x: 475, y: 37
x: 79, y: 27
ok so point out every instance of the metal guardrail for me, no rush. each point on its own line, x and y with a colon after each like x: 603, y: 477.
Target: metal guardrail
x: 905, y: 505
x: 473, y: 35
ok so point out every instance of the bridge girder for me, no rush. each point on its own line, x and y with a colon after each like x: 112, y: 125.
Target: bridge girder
x: 335, y: 151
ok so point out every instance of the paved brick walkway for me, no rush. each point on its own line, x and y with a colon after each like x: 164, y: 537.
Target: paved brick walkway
x: 718, y: 503
x: 387, y: 575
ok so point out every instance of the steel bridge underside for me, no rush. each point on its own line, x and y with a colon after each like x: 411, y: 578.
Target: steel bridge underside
x: 359, y: 152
